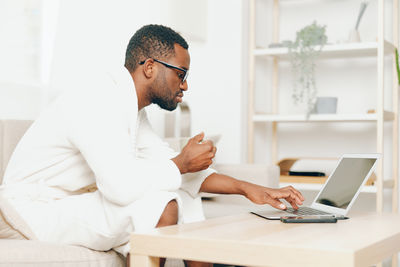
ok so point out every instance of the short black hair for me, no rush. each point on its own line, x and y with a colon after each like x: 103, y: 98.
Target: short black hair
x: 152, y: 41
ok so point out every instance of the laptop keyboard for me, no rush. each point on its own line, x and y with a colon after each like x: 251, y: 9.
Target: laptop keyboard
x: 306, y: 211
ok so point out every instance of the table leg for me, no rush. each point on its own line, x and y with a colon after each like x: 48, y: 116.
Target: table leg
x: 143, y: 261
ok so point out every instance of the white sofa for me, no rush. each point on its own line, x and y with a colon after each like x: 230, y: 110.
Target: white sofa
x: 33, y: 253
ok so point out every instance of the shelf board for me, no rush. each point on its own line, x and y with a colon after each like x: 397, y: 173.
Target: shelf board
x: 364, y: 49
x: 368, y: 117
x: 302, y: 179
x: 318, y: 186
x: 319, y: 180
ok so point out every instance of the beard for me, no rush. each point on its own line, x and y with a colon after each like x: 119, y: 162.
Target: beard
x: 162, y: 95
x: 167, y: 104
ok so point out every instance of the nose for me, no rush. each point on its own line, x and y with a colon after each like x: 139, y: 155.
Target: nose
x: 184, y: 85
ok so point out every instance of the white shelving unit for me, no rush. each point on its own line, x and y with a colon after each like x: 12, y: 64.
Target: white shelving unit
x: 317, y: 187
x: 381, y: 50
x: 344, y: 50
x: 388, y: 116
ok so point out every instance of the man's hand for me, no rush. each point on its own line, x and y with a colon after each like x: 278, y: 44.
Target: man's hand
x: 223, y: 184
x: 196, y: 155
x: 264, y: 195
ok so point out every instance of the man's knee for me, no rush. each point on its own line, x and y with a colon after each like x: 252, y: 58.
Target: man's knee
x: 170, y: 214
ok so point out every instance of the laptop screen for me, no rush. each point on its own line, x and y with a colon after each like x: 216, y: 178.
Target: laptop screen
x: 345, y: 182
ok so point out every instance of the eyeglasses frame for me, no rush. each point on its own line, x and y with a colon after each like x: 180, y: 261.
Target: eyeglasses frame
x: 186, y: 72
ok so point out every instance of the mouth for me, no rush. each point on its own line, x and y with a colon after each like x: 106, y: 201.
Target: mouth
x: 179, y: 97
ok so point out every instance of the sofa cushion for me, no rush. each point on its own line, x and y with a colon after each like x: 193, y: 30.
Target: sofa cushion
x: 7, y: 231
x: 12, y: 224
x: 28, y: 253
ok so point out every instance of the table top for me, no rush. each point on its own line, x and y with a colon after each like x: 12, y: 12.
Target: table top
x: 248, y: 239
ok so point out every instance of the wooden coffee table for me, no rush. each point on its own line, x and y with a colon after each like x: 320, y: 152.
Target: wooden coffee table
x: 246, y: 239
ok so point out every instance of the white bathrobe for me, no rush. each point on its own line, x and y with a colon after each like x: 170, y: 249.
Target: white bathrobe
x: 97, y: 136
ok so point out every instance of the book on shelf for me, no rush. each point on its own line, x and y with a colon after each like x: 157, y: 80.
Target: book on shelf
x: 306, y: 173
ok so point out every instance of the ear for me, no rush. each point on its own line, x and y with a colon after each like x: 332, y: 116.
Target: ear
x: 149, y: 68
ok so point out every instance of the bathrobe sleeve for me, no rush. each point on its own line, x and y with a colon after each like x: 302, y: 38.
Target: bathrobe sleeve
x: 102, y: 128
x: 150, y: 145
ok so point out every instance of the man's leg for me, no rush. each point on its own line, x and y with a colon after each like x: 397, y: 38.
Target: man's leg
x: 170, y: 217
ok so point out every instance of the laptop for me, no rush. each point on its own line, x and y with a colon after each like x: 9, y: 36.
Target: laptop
x: 339, y: 191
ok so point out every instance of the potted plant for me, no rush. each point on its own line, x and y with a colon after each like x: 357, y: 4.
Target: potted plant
x: 397, y: 66
x: 302, y: 52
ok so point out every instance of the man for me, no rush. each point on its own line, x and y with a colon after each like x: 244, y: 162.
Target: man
x: 101, y: 137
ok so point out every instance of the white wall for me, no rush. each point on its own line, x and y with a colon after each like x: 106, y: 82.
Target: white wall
x: 80, y: 37
x: 19, y: 61
x: 215, y: 72
x: 215, y: 83
x: 95, y: 33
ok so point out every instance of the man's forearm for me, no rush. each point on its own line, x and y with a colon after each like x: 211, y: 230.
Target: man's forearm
x: 223, y: 184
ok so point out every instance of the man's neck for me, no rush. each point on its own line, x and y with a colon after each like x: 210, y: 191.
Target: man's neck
x: 140, y: 93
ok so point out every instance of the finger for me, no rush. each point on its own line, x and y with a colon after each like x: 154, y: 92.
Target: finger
x: 198, y: 138
x: 292, y: 203
x: 298, y: 196
x: 298, y: 193
x: 288, y: 192
x: 206, y: 165
x: 295, y: 197
x: 209, y: 144
x: 277, y: 204
x: 214, y: 150
x: 282, y: 193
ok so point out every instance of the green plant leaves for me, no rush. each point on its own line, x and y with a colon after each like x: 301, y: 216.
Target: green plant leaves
x: 302, y: 53
x: 397, y: 66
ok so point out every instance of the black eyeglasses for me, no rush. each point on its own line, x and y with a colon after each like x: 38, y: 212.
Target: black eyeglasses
x: 182, y: 75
